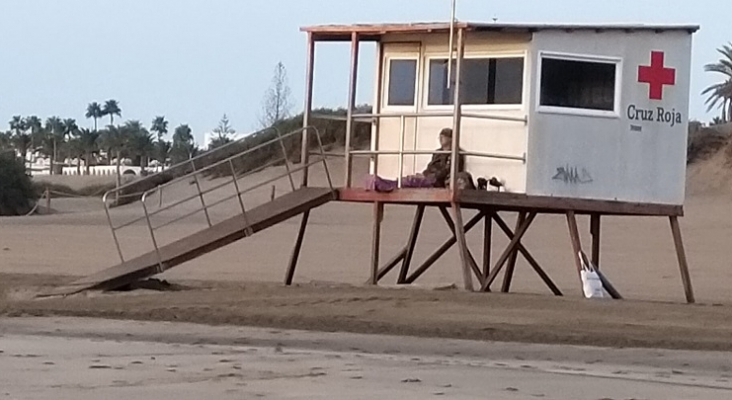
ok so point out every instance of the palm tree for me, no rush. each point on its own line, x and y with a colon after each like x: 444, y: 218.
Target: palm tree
x: 160, y: 126
x: 720, y: 94
x: 21, y: 140
x: 111, y: 108
x: 5, y: 141
x: 162, y: 152
x: 55, y: 137
x: 70, y: 130
x: 94, y: 110
x: 139, y: 142
x: 36, y: 132
x: 114, y: 140
x: 183, y: 145
x: 87, y: 144
x: 76, y: 150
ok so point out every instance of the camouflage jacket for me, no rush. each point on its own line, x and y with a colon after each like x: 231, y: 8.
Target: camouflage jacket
x: 439, y: 168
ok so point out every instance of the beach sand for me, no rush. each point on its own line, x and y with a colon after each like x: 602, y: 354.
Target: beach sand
x: 241, y: 283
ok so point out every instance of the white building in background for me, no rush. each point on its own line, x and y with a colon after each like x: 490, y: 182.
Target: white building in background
x: 41, y: 165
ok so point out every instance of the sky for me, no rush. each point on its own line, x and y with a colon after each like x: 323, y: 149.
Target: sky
x: 194, y: 60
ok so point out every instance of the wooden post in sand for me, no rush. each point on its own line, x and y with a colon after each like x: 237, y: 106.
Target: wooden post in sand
x: 681, y: 255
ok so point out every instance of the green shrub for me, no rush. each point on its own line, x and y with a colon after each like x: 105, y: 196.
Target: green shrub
x: 17, y: 195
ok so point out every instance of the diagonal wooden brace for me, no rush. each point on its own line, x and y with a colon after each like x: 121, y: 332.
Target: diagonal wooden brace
x: 512, y: 245
x: 411, y: 244
x: 529, y: 258
x: 470, y: 259
x: 391, y: 263
x: 442, y: 250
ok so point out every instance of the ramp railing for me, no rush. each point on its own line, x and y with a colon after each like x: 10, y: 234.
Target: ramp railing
x: 240, y: 165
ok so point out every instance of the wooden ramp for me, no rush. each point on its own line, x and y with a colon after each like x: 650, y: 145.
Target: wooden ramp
x: 205, y: 241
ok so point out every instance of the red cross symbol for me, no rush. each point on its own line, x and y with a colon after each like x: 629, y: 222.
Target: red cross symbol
x: 656, y: 75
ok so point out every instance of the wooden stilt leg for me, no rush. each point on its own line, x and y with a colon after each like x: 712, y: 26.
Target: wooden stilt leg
x: 576, y: 243
x: 463, y: 247
x: 411, y: 243
x: 511, y: 266
x: 529, y: 258
x: 509, y: 249
x: 441, y: 250
x: 681, y: 255
x: 296, y: 251
x: 595, y: 231
x: 471, y: 259
x: 391, y: 264
x: 376, y: 242
x: 487, y: 242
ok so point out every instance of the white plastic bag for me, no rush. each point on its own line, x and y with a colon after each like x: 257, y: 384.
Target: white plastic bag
x: 591, y: 283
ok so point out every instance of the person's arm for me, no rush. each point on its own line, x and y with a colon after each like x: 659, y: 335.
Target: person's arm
x: 431, y: 166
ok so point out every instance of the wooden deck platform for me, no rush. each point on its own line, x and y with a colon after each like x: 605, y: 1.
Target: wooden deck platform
x: 205, y: 241
x: 501, y: 201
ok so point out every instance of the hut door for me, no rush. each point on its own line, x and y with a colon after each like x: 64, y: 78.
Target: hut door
x: 397, y: 130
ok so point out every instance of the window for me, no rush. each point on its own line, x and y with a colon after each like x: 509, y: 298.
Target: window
x: 484, y: 81
x: 402, y: 82
x: 588, y: 85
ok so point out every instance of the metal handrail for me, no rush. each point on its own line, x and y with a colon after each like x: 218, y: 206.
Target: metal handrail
x: 373, y: 117
x: 431, y: 152
x: 188, y: 161
x: 209, y: 190
x: 235, y: 178
x: 369, y: 117
x: 116, y: 191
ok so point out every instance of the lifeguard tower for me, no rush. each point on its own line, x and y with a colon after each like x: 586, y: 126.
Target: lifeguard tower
x: 571, y: 119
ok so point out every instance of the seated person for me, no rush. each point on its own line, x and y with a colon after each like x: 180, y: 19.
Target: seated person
x: 437, y: 173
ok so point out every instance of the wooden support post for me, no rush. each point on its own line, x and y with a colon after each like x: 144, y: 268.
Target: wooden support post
x: 391, y: 264
x: 442, y: 250
x: 457, y: 118
x: 351, y: 106
x: 511, y: 266
x: 462, y: 246
x: 296, y: 251
x: 574, y: 237
x: 376, y: 242
x: 487, y: 243
x: 529, y: 258
x: 512, y: 245
x: 595, y: 257
x: 309, y: 77
x: 681, y: 255
x: 608, y: 286
x: 595, y: 231
x: 48, y: 200
x: 471, y: 260
x: 411, y: 243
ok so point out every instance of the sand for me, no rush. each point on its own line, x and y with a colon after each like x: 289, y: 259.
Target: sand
x: 241, y: 283
x: 637, y: 253
x: 78, y: 359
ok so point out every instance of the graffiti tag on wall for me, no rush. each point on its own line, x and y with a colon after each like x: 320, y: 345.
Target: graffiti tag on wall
x: 572, y: 175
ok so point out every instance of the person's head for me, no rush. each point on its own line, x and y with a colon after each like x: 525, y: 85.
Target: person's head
x: 446, y: 138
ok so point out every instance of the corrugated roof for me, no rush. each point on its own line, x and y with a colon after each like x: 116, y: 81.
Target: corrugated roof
x: 374, y: 31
